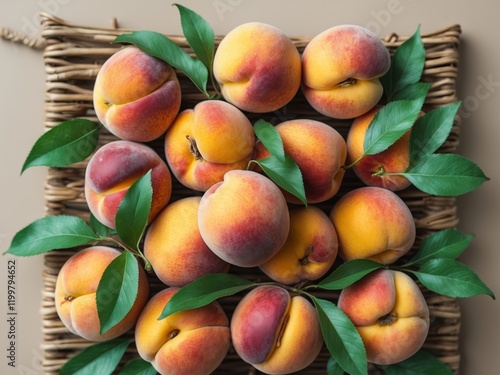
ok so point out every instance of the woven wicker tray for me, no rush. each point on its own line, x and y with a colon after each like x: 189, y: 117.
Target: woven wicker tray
x: 73, y: 55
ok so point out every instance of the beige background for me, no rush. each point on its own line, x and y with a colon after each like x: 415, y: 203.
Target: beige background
x: 21, y: 119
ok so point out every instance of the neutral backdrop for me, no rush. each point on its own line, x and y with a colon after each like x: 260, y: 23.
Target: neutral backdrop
x: 21, y: 119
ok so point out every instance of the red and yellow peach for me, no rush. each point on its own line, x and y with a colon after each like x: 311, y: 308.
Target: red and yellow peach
x: 390, y: 314
x: 257, y: 67
x: 206, y: 141
x: 136, y: 96
x: 275, y: 332
x: 341, y: 68
x: 111, y: 171
x: 75, y: 294
x: 244, y: 219
x: 190, y: 342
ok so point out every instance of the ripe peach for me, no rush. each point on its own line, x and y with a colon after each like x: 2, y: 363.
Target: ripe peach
x: 341, y: 67
x: 174, y: 247
x: 374, y: 223
x: 136, y: 96
x: 257, y: 67
x: 244, y: 219
x: 205, y: 142
x: 310, y: 249
x: 390, y: 314
x: 114, y: 168
x: 320, y: 152
x: 190, y: 342
x: 275, y: 332
x: 393, y: 160
x: 75, y: 294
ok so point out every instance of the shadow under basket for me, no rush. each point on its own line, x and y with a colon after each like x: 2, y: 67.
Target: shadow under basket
x: 73, y: 55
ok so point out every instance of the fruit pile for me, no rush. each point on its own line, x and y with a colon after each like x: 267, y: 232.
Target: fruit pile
x: 256, y: 202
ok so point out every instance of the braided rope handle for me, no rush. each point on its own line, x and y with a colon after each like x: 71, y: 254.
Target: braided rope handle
x: 21, y: 38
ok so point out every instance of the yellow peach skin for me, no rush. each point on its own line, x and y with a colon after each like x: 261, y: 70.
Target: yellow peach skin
x: 320, y: 152
x: 190, y: 342
x: 174, y: 247
x: 244, y: 219
x: 206, y: 141
x: 75, y: 294
x: 257, y: 67
x: 136, y: 96
x: 390, y: 314
x: 341, y: 67
x: 310, y: 249
x: 114, y: 168
x: 274, y: 332
x: 394, y: 159
x: 373, y: 223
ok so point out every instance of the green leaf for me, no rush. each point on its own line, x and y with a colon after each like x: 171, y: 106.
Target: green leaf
x: 413, y: 91
x: 98, y: 227
x: 431, y: 131
x: 447, y: 243
x: 286, y: 174
x: 406, y: 67
x: 199, y: 35
x: 418, y: 364
x: 451, y: 278
x: 67, y: 143
x: 270, y: 138
x: 204, y: 291
x: 341, y: 338
x: 333, y: 368
x: 51, y: 233
x: 348, y: 273
x: 390, y: 123
x: 445, y: 175
x: 138, y: 366
x: 101, y: 358
x: 117, y: 290
x: 158, y: 45
x: 133, y: 212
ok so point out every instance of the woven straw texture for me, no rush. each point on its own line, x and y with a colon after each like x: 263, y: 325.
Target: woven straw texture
x: 73, y: 55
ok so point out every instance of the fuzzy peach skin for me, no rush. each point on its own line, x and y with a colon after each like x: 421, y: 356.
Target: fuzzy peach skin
x: 275, y: 332
x: 373, y: 223
x: 174, y: 247
x: 206, y: 141
x: 190, y: 342
x: 310, y: 249
x: 320, y: 152
x: 341, y: 68
x: 390, y: 314
x: 394, y: 159
x: 75, y: 294
x: 257, y: 67
x: 244, y: 219
x: 136, y: 96
x: 113, y: 168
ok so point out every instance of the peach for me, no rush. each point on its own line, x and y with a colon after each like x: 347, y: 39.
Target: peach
x: 394, y: 159
x: 275, y: 332
x: 75, y: 294
x: 320, y: 152
x: 244, y: 219
x: 206, y: 141
x: 341, y: 67
x: 190, y: 342
x: 373, y: 223
x: 257, y: 67
x: 136, y: 96
x: 174, y: 247
x: 390, y: 314
x: 111, y: 171
x: 310, y: 249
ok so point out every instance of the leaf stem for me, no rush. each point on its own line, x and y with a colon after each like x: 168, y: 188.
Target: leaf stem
x: 137, y: 252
